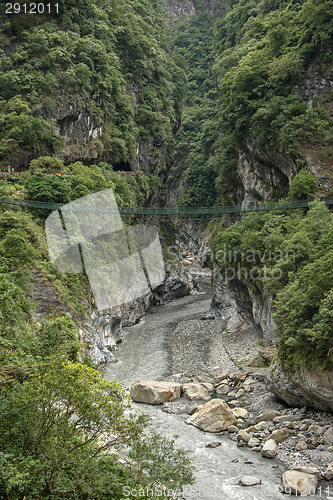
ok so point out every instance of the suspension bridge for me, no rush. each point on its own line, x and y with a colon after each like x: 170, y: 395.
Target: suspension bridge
x: 151, y: 211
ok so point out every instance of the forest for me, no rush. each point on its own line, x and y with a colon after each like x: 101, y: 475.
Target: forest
x: 193, y: 95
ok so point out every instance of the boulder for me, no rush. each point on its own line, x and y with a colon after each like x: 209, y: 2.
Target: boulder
x: 253, y: 442
x: 202, y: 378
x: 240, y: 413
x: 301, y: 446
x: 195, y: 391
x: 241, y: 376
x: 214, y: 444
x: 308, y: 470
x: 287, y: 418
x: 328, y: 437
x: 243, y: 436
x: 214, y: 416
x: 299, y: 483
x: 249, y: 481
x: 328, y: 474
x: 267, y: 416
x: 223, y: 376
x: 222, y: 389
x: 269, y: 449
x: 279, y: 435
x: 154, y: 393
x: 240, y: 393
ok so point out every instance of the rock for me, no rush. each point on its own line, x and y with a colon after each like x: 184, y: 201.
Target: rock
x: 221, y: 377
x: 328, y: 474
x: 287, y: 418
x: 253, y: 442
x: 222, y: 389
x: 192, y: 410
x: 240, y: 413
x: 203, y: 378
x: 301, y: 446
x: 328, y: 437
x: 308, y: 470
x: 257, y: 449
x: 257, y: 361
x: 330, y: 449
x: 214, y: 416
x: 241, y: 376
x: 154, y: 393
x: 299, y: 483
x: 307, y: 388
x: 279, y: 435
x: 232, y: 429
x: 261, y: 426
x: 269, y: 449
x: 195, y: 391
x: 243, y: 436
x: 240, y: 393
x: 249, y: 481
x: 268, y: 416
x: 214, y: 444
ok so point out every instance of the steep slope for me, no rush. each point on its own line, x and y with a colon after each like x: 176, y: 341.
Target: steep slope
x: 92, y: 82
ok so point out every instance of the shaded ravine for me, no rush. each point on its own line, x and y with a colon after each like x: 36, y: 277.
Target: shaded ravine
x: 143, y: 355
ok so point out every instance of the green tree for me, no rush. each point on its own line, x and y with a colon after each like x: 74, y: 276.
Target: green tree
x: 69, y: 422
x: 303, y: 186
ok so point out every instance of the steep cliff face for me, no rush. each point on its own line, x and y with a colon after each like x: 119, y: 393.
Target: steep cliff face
x: 177, y: 11
x: 242, y: 309
x: 260, y: 174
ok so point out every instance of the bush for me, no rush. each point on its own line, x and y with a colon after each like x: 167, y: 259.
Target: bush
x: 303, y: 186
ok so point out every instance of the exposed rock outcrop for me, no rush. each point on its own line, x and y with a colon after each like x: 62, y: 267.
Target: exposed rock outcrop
x: 176, y: 11
x: 103, y: 331
x: 237, y: 304
x: 314, y: 389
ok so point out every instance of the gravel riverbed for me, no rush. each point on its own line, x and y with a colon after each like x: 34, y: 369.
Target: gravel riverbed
x: 201, y: 346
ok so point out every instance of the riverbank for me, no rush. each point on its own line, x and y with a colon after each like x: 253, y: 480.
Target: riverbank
x: 175, y: 341
x: 202, y: 346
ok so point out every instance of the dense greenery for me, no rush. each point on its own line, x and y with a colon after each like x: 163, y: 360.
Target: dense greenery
x: 290, y: 256
x: 265, y: 48
x: 95, y: 56
x: 61, y: 424
x: 243, y: 69
x: 196, y: 136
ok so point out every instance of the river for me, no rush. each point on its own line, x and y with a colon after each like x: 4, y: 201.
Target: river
x: 143, y: 355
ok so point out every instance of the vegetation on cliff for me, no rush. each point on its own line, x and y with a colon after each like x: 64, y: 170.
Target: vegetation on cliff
x: 106, y: 59
x: 243, y: 70
x: 61, y: 423
x: 288, y: 255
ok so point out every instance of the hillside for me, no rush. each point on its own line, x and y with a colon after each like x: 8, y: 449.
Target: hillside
x: 189, y: 103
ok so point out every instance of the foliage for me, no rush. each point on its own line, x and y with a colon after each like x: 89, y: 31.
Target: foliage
x: 263, y: 50
x: 66, y: 418
x: 293, y: 254
x: 94, y: 56
x: 303, y: 186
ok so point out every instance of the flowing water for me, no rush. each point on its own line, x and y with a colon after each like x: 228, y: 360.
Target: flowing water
x: 143, y: 355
